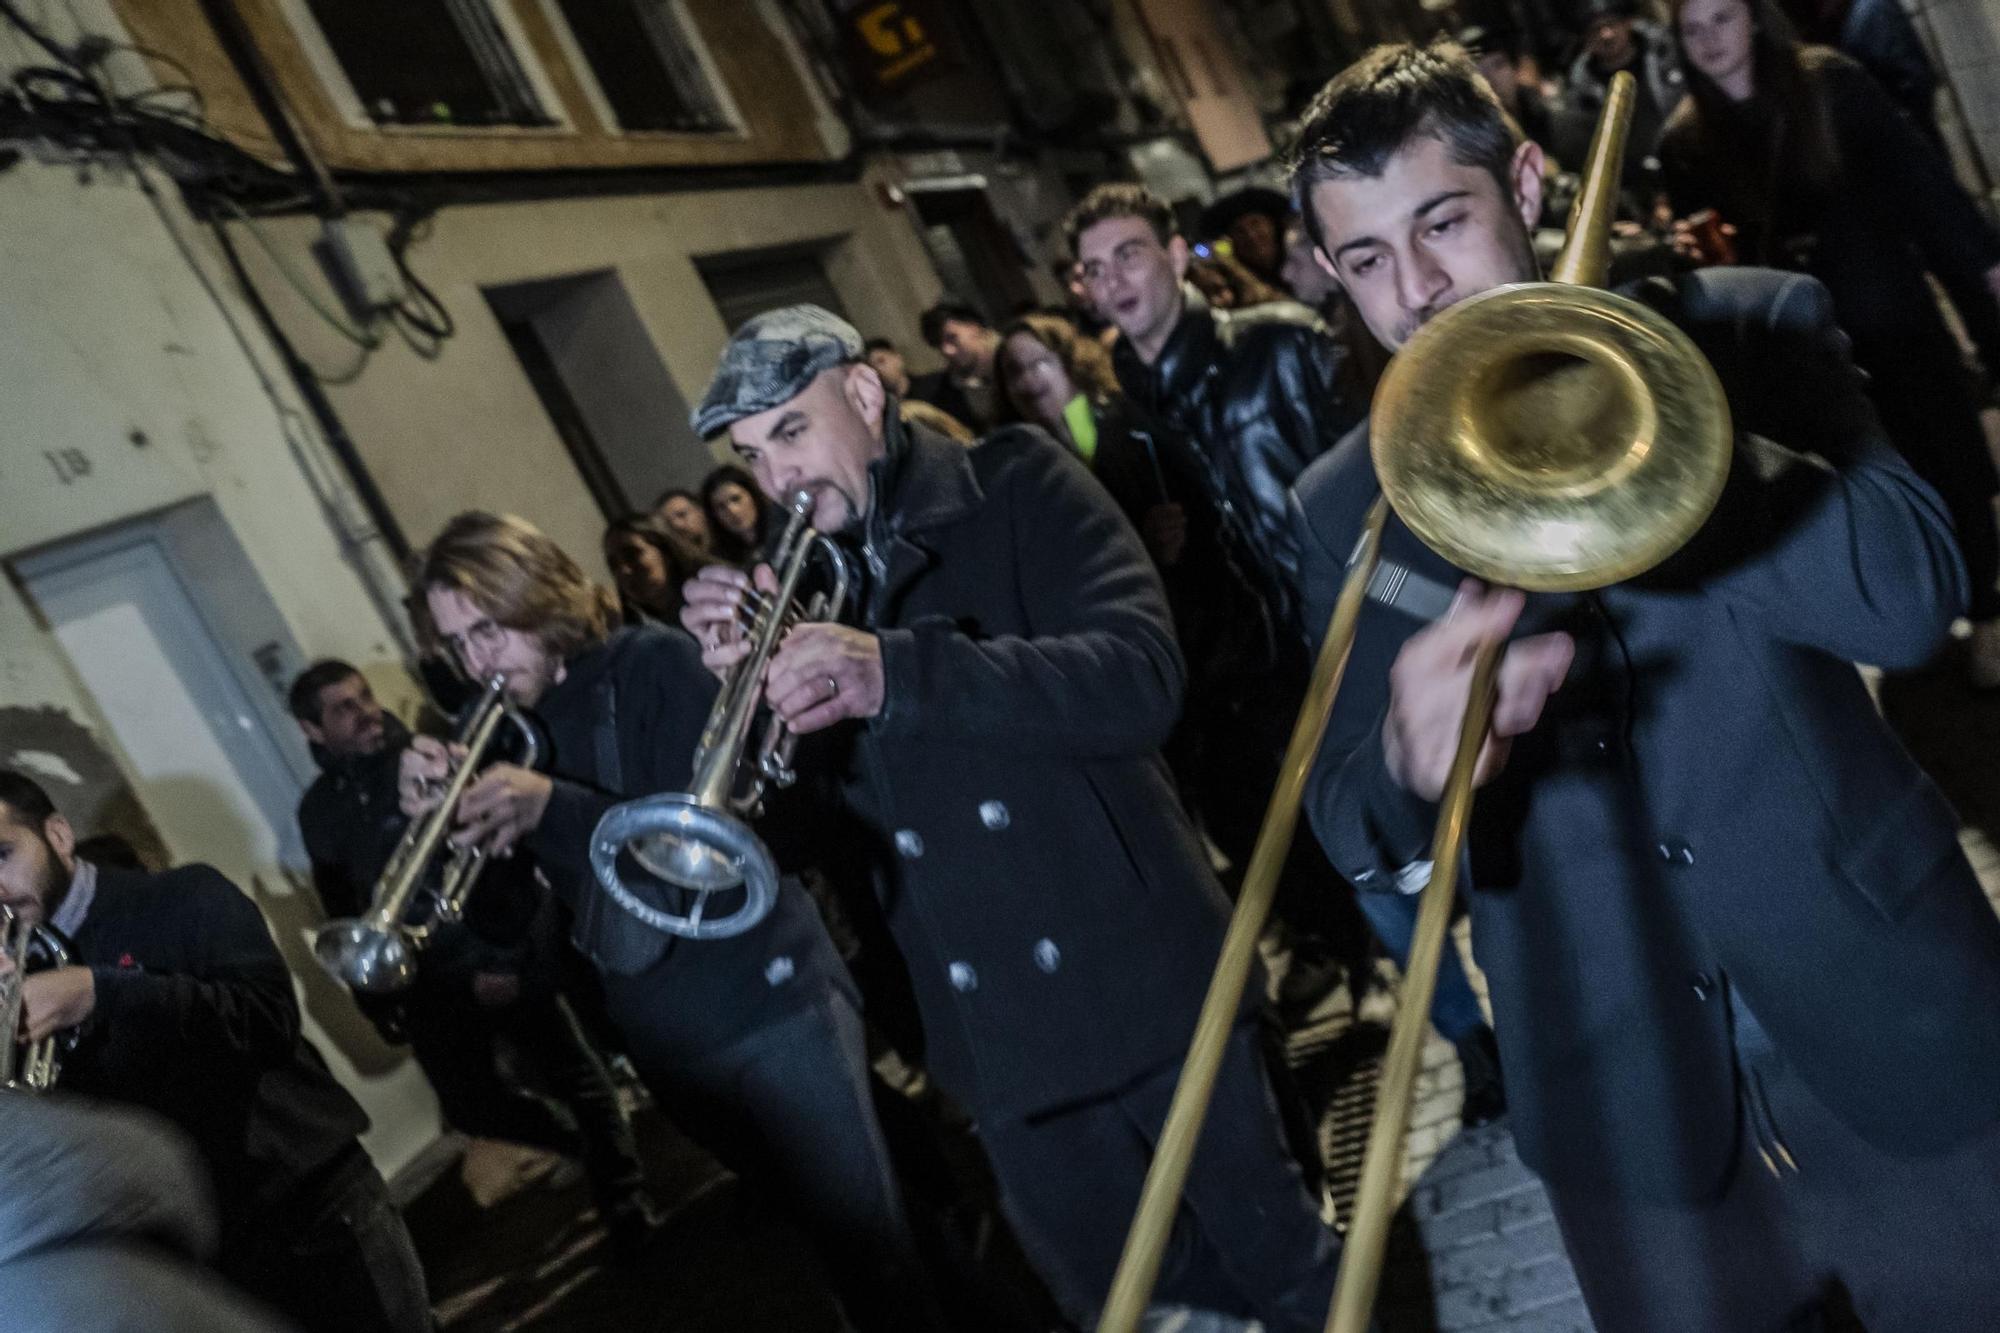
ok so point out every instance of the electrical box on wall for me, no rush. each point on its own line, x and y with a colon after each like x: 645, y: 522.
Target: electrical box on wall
x: 357, y: 261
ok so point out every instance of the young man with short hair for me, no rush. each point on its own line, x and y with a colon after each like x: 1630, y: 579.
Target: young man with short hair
x: 754, y: 1042
x: 488, y: 978
x: 1746, y: 987
x: 968, y: 388
x: 1260, y: 394
x: 181, y: 1004
x: 995, y: 708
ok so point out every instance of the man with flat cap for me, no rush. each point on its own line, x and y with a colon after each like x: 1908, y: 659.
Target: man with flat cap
x: 994, y: 713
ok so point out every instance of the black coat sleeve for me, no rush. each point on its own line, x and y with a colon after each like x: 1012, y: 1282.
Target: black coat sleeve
x: 236, y: 996
x: 1835, y: 543
x: 1099, y: 677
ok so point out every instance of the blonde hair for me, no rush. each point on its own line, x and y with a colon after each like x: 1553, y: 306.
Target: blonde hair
x: 515, y: 573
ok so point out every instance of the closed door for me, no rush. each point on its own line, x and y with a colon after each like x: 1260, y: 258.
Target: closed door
x: 217, y: 780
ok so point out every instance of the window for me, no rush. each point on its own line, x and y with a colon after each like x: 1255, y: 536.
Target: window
x: 649, y: 65
x: 429, y: 62
x: 749, y: 282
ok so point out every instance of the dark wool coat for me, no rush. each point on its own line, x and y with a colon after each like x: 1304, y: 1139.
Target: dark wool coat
x: 1711, y: 802
x: 1054, y: 907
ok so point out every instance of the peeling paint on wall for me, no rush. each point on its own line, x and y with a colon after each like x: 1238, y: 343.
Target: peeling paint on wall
x: 80, y: 775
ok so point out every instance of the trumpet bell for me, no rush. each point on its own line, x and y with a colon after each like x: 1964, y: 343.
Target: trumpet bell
x: 693, y: 847
x: 1538, y: 436
x: 372, y: 961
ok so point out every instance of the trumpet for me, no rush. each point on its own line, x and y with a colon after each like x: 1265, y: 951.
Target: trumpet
x: 31, y: 1066
x: 377, y: 953
x: 700, y: 840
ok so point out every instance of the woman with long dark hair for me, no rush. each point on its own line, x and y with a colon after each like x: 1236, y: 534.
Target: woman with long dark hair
x: 649, y: 563
x: 738, y: 514
x: 1816, y: 169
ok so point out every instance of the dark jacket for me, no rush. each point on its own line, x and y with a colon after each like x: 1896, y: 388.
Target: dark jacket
x: 1710, y: 804
x: 1055, y: 909
x: 1879, y: 35
x: 1894, y: 211
x: 1661, y: 85
x: 942, y: 392
x: 623, y: 722
x: 351, y: 820
x: 196, y: 1020
x: 1223, y: 629
x: 1260, y: 393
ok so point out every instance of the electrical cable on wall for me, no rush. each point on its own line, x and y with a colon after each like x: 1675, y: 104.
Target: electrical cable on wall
x: 72, y: 105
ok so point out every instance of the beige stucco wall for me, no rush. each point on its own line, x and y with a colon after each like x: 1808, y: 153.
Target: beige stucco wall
x: 467, y: 431
x: 109, y: 337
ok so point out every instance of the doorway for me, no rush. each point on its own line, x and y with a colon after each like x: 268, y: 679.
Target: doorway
x: 185, y: 656
x: 619, y: 413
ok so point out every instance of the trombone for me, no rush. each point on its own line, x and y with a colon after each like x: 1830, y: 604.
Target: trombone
x: 700, y: 840
x: 1550, y: 436
x: 377, y: 953
x: 28, y: 1066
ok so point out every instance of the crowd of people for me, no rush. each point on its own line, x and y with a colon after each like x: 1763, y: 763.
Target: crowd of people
x: 1745, y: 989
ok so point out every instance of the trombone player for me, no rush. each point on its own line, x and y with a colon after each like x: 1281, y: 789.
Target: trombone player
x: 1746, y: 987
x: 754, y: 1042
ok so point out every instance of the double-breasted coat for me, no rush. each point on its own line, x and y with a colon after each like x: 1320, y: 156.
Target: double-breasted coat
x: 1052, y: 902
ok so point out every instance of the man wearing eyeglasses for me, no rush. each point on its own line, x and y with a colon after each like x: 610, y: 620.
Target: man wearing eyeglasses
x: 754, y: 1042
x: 1260, y: 393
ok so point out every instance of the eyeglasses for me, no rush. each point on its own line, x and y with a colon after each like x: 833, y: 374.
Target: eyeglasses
x: 486, y: 635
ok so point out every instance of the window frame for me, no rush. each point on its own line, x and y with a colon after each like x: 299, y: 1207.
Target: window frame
x: 347, y: 103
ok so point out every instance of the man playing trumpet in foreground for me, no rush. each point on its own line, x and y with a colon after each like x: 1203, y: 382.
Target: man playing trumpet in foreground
x: 1746, y: 988
x: 994, y: 724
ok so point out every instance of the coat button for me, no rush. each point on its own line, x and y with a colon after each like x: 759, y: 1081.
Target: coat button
x: 1704, y: 986
x: 910, y: 843
x: 1676, y: 851
x: 963, y: 977
x: 994, y: 815
x: 1047, y: 956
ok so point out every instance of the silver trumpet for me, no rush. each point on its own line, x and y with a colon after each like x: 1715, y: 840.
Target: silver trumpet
x: 377, y: 953
x: 29, y: 1066
x: 701, y: 840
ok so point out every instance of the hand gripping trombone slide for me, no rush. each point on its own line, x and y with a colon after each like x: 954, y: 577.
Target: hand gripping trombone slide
x: 700, y: 840
x: 1547, y: 436
x: 377, y: 953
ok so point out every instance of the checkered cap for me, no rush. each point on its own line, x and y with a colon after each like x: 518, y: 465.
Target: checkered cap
x: 770, y: 361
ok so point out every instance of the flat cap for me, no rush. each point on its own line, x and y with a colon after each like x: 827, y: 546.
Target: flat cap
x: 770, y: 361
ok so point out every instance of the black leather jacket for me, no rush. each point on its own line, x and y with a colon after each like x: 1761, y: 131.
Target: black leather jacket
x: 1260, y: 393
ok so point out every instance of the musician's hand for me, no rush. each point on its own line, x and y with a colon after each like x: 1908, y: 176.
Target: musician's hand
x: 424, y: 769
x: 1432, y: 680
x: 822, y: 673
x: 713, y: 611
x: 56, y: 1000
x: 503, y: 805
x: 1165, y: 531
